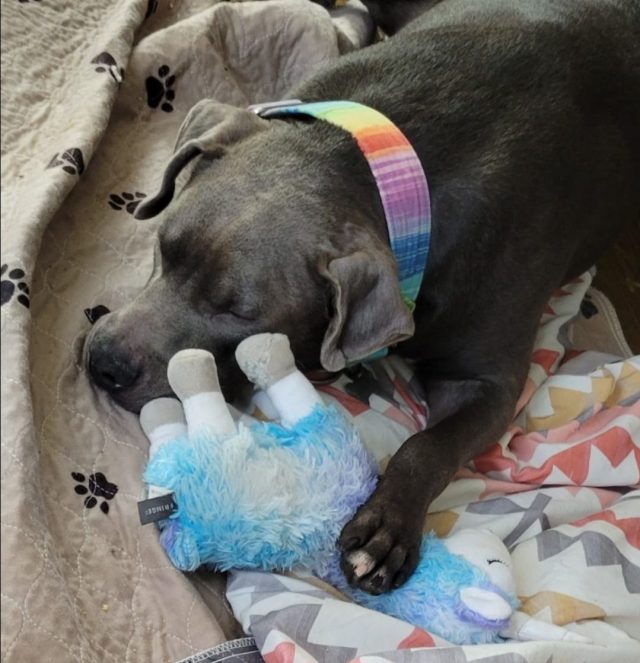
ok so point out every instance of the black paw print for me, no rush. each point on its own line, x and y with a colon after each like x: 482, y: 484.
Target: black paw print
x: 152, y: 5
x: 9, y: 285
x: 23, y: 1
x: 71, y: 161
x: 161, y: 88
x: 99, y: 488
x: 106, y: 62
x: 94, y: 314
x: 587, y: 307
x: 128, y: 201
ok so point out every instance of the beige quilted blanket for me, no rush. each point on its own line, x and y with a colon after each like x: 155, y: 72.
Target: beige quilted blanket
x: 93, y: 94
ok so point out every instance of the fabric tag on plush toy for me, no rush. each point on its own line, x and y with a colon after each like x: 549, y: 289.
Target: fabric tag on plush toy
x: 157, y: 508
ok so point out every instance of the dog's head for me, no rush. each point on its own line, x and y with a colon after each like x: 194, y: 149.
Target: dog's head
x: 257, y: 240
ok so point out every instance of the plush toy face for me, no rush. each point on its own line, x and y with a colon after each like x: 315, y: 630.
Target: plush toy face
x: 485, y: 550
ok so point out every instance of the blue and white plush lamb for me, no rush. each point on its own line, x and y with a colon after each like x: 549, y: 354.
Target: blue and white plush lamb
x: 275, y: 496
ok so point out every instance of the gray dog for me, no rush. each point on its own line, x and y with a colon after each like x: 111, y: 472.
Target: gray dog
x: 526, y: 117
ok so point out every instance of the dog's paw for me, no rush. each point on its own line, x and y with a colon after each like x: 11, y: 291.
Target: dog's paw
x: 380, y: 547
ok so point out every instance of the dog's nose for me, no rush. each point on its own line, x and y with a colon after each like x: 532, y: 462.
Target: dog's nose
x: 110, y: 370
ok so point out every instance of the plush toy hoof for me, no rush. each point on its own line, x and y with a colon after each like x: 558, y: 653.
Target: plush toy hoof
x: 265, y: 358
x: 160, y: 413
x: 180, y: 546
x: 192, y: 372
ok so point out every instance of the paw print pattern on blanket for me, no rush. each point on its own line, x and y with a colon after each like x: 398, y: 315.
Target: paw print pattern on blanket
x: 12, y: 284
x: 587, y: 307
x: 95, y: 313
x: 105, y: 62
x: 160, y: 90
x: 151, y: 8
x: 99, y: 489
x: 127, y: 201
x: 71, y: 161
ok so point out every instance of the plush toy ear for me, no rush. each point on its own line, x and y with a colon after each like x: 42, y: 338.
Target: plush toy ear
x: 485, y: 603
x: 208, y: 129
x: 486, y: 551
x: 368, y: 310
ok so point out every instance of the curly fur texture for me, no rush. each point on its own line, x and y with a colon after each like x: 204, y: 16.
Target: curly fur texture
x: 430, y: 598
x: 272, y: 498
x: 267, y: 498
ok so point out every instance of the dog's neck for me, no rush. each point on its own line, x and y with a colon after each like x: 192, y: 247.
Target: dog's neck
x: 394, y: 168
x: 352, y: 183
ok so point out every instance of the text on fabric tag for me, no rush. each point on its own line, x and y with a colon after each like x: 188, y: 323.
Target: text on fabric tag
x: 157, y: 508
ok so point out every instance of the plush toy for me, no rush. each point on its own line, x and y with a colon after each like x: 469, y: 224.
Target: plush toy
x: 275, y: 496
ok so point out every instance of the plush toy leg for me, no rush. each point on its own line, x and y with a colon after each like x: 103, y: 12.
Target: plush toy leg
x: 193, y: 376
x: 267, y: 360
x: 162, y: 420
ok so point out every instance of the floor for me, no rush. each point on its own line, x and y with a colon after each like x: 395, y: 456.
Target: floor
x: 619, y: 278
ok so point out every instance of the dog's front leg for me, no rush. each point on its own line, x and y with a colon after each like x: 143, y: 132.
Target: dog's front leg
x: 381, y: 543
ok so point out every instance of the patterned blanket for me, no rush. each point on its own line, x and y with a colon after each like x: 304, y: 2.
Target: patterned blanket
x: 93, y: 94
x: 560, y: 488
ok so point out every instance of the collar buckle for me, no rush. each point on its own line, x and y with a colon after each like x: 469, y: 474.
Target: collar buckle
x: 270, y: 108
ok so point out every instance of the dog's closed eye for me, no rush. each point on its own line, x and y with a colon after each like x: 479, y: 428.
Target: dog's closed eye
x: 237, y: 310
x: 495, y: 561
x: 242, y: 315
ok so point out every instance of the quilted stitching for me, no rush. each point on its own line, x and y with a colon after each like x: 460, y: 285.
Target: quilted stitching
x: 78, y: 583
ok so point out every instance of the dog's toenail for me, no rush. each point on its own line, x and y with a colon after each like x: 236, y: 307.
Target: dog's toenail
x: 377, y: 581
x: 361, y: 562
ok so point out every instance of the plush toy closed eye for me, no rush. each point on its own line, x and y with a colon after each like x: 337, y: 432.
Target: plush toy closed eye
x: 275, y: 496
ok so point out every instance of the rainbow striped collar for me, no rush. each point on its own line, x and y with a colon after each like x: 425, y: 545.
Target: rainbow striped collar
x: 398, y: 173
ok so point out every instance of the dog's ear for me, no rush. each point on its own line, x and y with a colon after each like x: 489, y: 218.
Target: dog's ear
x: 208, y: 129
x: 369, y: 312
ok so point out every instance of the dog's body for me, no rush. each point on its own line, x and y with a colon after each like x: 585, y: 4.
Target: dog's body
x: 526, y: 119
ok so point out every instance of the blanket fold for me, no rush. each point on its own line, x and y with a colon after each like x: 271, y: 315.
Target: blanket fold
x: 93, y: 95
